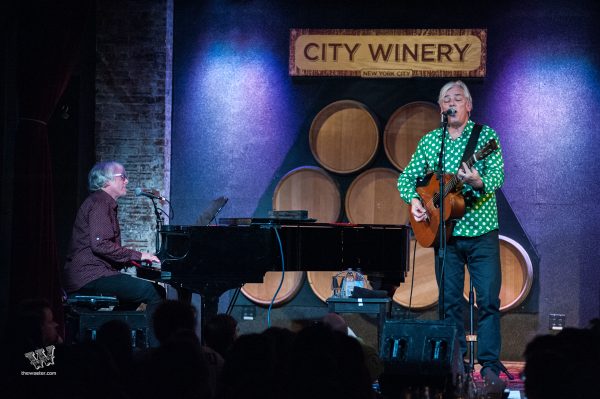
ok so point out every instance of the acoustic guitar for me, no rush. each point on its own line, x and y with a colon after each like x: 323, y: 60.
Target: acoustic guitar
x: 427, y: 231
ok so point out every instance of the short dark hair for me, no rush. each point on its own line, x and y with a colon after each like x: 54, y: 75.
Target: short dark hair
x: 576, y: 351
x: 172, y: 316
x: 220, y: 332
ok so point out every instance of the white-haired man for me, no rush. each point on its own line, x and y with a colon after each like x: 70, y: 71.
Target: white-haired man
x: 474, y: 241
x: 96, y: 255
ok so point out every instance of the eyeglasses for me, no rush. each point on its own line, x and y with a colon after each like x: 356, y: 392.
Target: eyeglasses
x: 121, y: 175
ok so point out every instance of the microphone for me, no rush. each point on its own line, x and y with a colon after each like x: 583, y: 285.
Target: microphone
x: 139, y: 191
x: 450, y: 112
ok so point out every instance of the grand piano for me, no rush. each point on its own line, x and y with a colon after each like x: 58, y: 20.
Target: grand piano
x: 210, y: 260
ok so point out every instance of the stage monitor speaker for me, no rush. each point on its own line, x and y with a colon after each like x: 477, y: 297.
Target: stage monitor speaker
x: 419, y: 353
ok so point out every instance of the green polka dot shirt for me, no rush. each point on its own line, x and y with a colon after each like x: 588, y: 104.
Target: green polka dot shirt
x: 481, y: 215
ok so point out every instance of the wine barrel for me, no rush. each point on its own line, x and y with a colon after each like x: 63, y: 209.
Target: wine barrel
x: 344, y: 137
x: 373, y: 198
x: 262, y: 293
x: 309, y: 188
x: 405, y: 128
x: 424, y: 285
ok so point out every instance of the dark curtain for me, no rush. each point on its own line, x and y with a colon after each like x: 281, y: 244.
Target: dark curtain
x: 49, y: 37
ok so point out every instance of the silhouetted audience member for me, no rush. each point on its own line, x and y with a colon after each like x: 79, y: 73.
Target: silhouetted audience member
x: 250, y: 369
x: 88, y: 371
x: 327, y: 363
x: 78, y: 371
x: 114, y: 336
x: 176, y: 369
x: 174, y: 324
x: 280, y: 343
x: 220, y: 332
x: 565, y: 365
x: 172, y: 316
x: 372, y: 361
x: 35, y: 324
x: 282, y: 340
x: 32, y: 328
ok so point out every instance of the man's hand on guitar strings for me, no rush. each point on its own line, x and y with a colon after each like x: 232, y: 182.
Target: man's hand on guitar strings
x: 470, y: 176
x: 418, y: 211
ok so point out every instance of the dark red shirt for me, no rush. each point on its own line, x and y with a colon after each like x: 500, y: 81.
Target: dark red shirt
x: 95, y: 249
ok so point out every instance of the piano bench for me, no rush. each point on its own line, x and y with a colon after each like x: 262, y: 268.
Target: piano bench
x: 379, y: 306
x: 82, y: 324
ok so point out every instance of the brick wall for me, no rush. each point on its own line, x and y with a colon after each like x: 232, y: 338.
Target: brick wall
x: 133, y: 105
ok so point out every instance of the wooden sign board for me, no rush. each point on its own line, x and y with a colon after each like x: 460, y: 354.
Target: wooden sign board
x: 385, y: 53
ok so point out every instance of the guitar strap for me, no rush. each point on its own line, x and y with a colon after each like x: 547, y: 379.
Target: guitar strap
x: 470, y: 149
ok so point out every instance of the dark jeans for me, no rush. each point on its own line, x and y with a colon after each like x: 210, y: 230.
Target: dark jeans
x: 482, y: 256
x: 128, y: 289
x: 125, y: 287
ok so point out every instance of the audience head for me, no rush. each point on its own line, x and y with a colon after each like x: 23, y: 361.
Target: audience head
x: 565, y: 365
x: 220, y: 332
x: 281, y: 338
x: 172, y: 316
x: 181, y: 368
x: 249, y: 368
x: 115, y: 337
x: 335, y: 322
x: 35, y: 324
x: 329, y: 359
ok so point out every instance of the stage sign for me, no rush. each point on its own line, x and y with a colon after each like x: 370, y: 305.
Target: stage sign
x: 385, y: 53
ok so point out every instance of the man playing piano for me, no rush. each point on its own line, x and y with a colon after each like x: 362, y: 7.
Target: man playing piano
x: 96, y: 255
x: 474, y: 241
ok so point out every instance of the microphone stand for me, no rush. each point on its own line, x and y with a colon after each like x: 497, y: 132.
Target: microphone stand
x: 159, y: 223
x: 442, y: 231
x: 472, y: 337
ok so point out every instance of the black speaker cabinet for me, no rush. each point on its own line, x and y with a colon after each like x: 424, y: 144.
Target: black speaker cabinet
x: 419, y: 353
x: 82, y: 324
